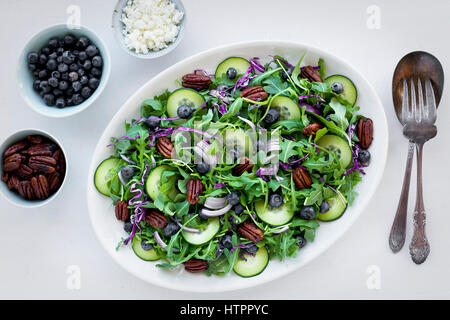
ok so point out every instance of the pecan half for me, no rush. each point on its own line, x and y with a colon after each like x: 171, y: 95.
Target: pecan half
x: 197, y: 82
x: 244, y: 165
x: 12, y: 162
x: 17, y: 147
x: 194, y: 190
x: 255, y: 93
x: 165, y: 146
x: 156, y: 218
x: 60, y: 161
x: 42, y: 164
x: 301, y: 178
x: 195, y: 265
x: 13, y: 182
x: 122, y: 211
x: 311, y: 129
x: 40, y: 187
x: 5, y: 176
x: 34, y: 139
x: 311, y: 74
x: 25, y: 190
x: 364, y: 131
x: 248, y: 229
x: 54, y: 181
x: 24, y: 171
x: 43, y: 149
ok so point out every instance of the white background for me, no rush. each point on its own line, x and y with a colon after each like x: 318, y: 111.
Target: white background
x: 38, y: 246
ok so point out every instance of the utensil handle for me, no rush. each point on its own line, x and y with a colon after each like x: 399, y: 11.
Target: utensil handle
x: 398, y: 229
x: 419, y: 247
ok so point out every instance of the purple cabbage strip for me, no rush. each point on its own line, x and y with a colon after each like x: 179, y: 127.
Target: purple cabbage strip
x: 354, y: 155
x: 204, y: 72
x: 310, y: 108
x: 283, y: 61
x: 241, y: 246
x: 256, y: 65
x: 218, y: 185
x: 310, y: 96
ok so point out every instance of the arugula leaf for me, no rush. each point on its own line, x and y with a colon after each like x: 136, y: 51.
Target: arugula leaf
x: 339, y: 114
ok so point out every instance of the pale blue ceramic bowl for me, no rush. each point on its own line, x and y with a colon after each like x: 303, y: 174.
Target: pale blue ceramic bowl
x: 25, y: 77
x: 118, y: 26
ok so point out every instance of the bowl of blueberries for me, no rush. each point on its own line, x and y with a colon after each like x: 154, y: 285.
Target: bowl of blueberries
x: 62, y: 71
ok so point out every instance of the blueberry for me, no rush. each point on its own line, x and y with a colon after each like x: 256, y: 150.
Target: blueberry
x: 69, y: 39
x: 76, y: 85
x: 43, y: 59
x: 238, y: 209
x: 284, y: 74
x: 82, y: 43
x: 84, y: 80
x: 33, y: 57
x: 272, y: 116
x: 203, y: 168
x: 53, y: 43
x: 53, y: 55
x: 53, y: 82
x: 32, y: 67
x: 62, y: 67
x: 56, y: 74
x: 59, y: 60
x: 91, y: 50
x: 171, y: 229
x: 364, y: 157
x: 81, y: 72
x: 337, y: 87
x: 52, y: 64
x: 152, y: 124
x: 69, y: 92
x: 184, y: 111
x: 93, y: 83
x: 86, y: 92
x: 73, y: 76
x: 82, y: 55
x: 36, y: 84
x: 63, y: 85
x: 57, y: 93
x: 60, y: 103
x: 45, y: 87
x: 69, y: 102
x: 97, y: 61
x: 252, y: 249
x: 76, y: 53
x: 49, y: 99
x: 146, y: 245
x: 60, y: 51
x: 46, y: 51
x: 227, y: 241
x: 127, y: 172
x: 275, y: 200
x: 96, y: 72
x: 233, y: 198
x: 74, y: 67
x: 61, y: 43
x: 128, y: 227
x: 68, y: 57
x: 222, y: 87
x: 301, y: 241
x: 324, y: 207
x: 231, y: 73
x: 87, y: 65
x: 77, y: 99
x: 308, y: 213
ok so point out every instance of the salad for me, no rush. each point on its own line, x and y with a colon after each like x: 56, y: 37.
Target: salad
x: 238, y: 167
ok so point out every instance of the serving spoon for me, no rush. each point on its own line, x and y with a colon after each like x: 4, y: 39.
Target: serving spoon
x: 414, y: 65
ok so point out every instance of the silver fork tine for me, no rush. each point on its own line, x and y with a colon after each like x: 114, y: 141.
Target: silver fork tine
x: 413, y: 101
x: 421, y: 110
x: 405, y: 102
x: 431, y: 101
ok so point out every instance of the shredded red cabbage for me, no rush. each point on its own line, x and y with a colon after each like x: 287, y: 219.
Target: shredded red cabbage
x: 256, y: 65
x: 204, y: 72
x: 218, y: 185
x: 310, y: 108
x: 311, y: 96
x: 283, y: 61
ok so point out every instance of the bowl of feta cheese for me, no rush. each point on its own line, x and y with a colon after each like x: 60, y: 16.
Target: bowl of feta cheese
x: 149, y: 28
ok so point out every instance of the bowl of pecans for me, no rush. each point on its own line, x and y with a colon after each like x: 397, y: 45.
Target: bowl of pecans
x: 33, y: 168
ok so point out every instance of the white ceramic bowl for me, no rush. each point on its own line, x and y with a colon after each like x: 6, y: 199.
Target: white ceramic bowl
x: 14, y: 197
x: 109, y: 231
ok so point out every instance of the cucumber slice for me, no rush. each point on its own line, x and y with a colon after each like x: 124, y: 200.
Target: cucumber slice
x: 253, y: 265
x: 237, y: 138
x: 153, y: 184
x: 338, y: 146
x: 274, y: 216
x: 289, y: 109
x: 350, y: 94
x: 183, y: 96
x: 204, y: 235
x: 240, y: 64
x: 150, y: 255
x: 337, y: 209
x: 103, y: 175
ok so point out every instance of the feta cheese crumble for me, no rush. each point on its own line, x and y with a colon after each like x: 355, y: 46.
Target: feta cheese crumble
x: 150, y: 25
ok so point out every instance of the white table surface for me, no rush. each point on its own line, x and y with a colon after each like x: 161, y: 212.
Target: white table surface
x: 39, y: 246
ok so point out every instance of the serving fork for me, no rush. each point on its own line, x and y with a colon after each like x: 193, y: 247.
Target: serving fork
x: 420, y: 116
